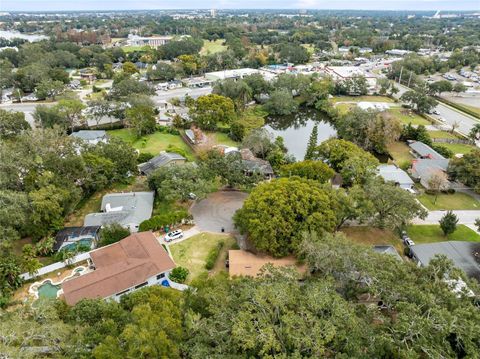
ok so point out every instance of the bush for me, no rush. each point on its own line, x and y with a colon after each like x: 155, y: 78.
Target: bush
x: 175, y: 149
x: 451, y: 191
x: 166, y: 219
x: 213, y: 255
x: 167, y: 129
x: 144, y: 157
x: 112, y: 233
x: 179, y: 274
x: 444, y: 151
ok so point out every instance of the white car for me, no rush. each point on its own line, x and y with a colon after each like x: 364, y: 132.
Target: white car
x: 171, y: 236
x: 409, y: 242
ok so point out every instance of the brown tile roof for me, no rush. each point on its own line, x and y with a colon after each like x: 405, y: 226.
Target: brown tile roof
x: 118, y: 267
x: 248, y: 264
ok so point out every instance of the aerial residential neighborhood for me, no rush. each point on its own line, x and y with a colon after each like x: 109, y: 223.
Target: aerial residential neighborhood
x: 239, y: 180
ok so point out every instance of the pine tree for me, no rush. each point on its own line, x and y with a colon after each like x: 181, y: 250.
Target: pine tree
x: 312, y: 143
x: 448, y: 223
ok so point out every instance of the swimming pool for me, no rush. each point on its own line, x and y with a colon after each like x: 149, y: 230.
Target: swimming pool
x: 48, y: 290
x: 87, y: 242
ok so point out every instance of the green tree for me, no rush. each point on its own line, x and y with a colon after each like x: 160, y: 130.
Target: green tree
x: 129, y: 68
x: 141, y: 119
x: 459, y: 87
x: 467, y: 169
x: 474, y: 133
x: 71, y: 111
x: 12, y: 124
x: 312, y: 143
x: 281, y: 102
x: 276, y: 213
x: 49, y: 89
x: 259, y: 141
x: 237, y: 90
x: 419, y: 100
x: 49, y: 116
x: 355, y: 165
x: 177, y: 182
x: 112, y: 234
x: 448, y: 223
x: 179, y: 274
x: 392, y: 206
x: 162, y: 72
x: 258, y: 85
x: 438, y: 87
x: 210, y: 110
x: 314, y: 170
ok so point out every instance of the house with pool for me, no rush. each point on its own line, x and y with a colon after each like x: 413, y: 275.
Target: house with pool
x: 136, y: 261
x: 71, y: 238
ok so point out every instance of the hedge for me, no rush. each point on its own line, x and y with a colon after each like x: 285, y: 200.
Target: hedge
x: 167, y: 129
x: 160, y: 221
x: 213, y: 255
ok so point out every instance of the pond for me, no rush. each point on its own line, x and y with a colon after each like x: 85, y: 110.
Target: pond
x: 296, y: 129
x: 10, y: 34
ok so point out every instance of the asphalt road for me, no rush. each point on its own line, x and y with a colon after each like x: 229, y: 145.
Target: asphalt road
x: 464, y: 217
x: 27, y: 108
x: 451, y: 116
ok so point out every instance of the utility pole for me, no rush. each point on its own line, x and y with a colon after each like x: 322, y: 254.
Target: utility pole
x: 409, y: 79
x: 400, y: 78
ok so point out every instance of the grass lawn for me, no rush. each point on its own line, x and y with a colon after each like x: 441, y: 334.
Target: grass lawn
x: 128, y: 49
x: 400, y: 152
x: 458, y: 147
x: 370, y: 236
x: 192, y: 253
x: 221, y: 138
x: 153, y: 143
x: 406, y: 117
x: 212, y: 47
x: 92, y: 203
x: 473, y: 109
x: 432, y: 233
x: 457, y: 200
x: 442, y: 134
x: 366, y: 98
x: 344, y: 108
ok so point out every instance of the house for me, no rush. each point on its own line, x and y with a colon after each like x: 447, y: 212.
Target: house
x: 428, y: 163
x: 88, y: 75
x: 196, y: 82
x: 342, y: 73
x: 127, y: 209
x: 254, y: 164
x: 421, y: 150
x: 162, y: 160
x: 387, y: 249
x: 70, y: 237
x: 140, y: 65
x: 175, y: 84
x: 243, y: 263
x: 398, y: 52
x: 464, y: 255
x: 120, y: 268
x: 91, y: 137
x: 391, y: 173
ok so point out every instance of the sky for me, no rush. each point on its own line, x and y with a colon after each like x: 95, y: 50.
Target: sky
x: 50, y: 5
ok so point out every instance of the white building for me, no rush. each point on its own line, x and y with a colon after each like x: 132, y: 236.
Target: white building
x: 153, y: 41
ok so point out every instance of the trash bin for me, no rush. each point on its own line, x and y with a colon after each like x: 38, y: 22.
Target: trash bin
x: 223, y: 230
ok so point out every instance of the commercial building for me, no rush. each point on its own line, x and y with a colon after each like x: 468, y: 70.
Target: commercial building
x: 120, y: 268
x: 153, y: 41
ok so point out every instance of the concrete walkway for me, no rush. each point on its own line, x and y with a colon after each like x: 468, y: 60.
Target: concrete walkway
x: 186, y: 235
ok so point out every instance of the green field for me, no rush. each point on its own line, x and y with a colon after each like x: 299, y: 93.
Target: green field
x: 457, y: 200
x: 458, y: 147
x: 221, y: 138
x: 432, y: 233
x: 406, y: 117
x: 128, y: 49
x: 154, y: 143
x: 212, y: 47
x: 442, y: 134
x: 366, y: 98
x: 400, y: 152
x: 192, y: 253
x: 370, y: 236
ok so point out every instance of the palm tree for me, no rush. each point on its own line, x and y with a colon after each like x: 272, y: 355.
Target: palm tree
x: 474, y: 133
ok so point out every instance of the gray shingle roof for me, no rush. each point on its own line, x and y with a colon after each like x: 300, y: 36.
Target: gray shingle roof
x: 425, y: 151
x: 259, y: 165
x: 423, y: 167
x: 465, y: 255
x: 159, y: 161
x: 395, y: 174
x: 386, y: 249
x: 130, y: 209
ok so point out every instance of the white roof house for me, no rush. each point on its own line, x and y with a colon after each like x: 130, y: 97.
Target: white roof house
x: 127, y: 209
x: 91, y: 136
x: 391, y: 173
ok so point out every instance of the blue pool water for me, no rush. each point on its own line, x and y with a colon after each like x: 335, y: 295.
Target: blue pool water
x: 48, y: 290
x: 82, y: 242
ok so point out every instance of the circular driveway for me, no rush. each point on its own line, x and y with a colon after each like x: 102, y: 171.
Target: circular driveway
x: 216, y: 211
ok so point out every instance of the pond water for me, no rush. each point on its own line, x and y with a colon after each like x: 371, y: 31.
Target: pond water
x: 9, y: 35
x: 296, y: 129
x: 48, y: 290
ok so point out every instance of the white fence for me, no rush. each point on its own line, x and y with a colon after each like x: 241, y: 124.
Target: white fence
x: 56, y: 266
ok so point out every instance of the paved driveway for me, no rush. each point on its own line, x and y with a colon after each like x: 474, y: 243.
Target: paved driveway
x: 216, y: 211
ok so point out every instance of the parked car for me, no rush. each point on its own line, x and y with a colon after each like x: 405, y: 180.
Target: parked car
x: 171, y: 236
x: 408, y: 242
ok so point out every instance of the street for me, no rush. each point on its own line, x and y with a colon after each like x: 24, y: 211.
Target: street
x: 451, y: 116
x: 464, y: 217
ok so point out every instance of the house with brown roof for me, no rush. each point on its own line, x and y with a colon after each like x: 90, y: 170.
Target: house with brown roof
x: 120, y: 268
x: 243, y: 263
